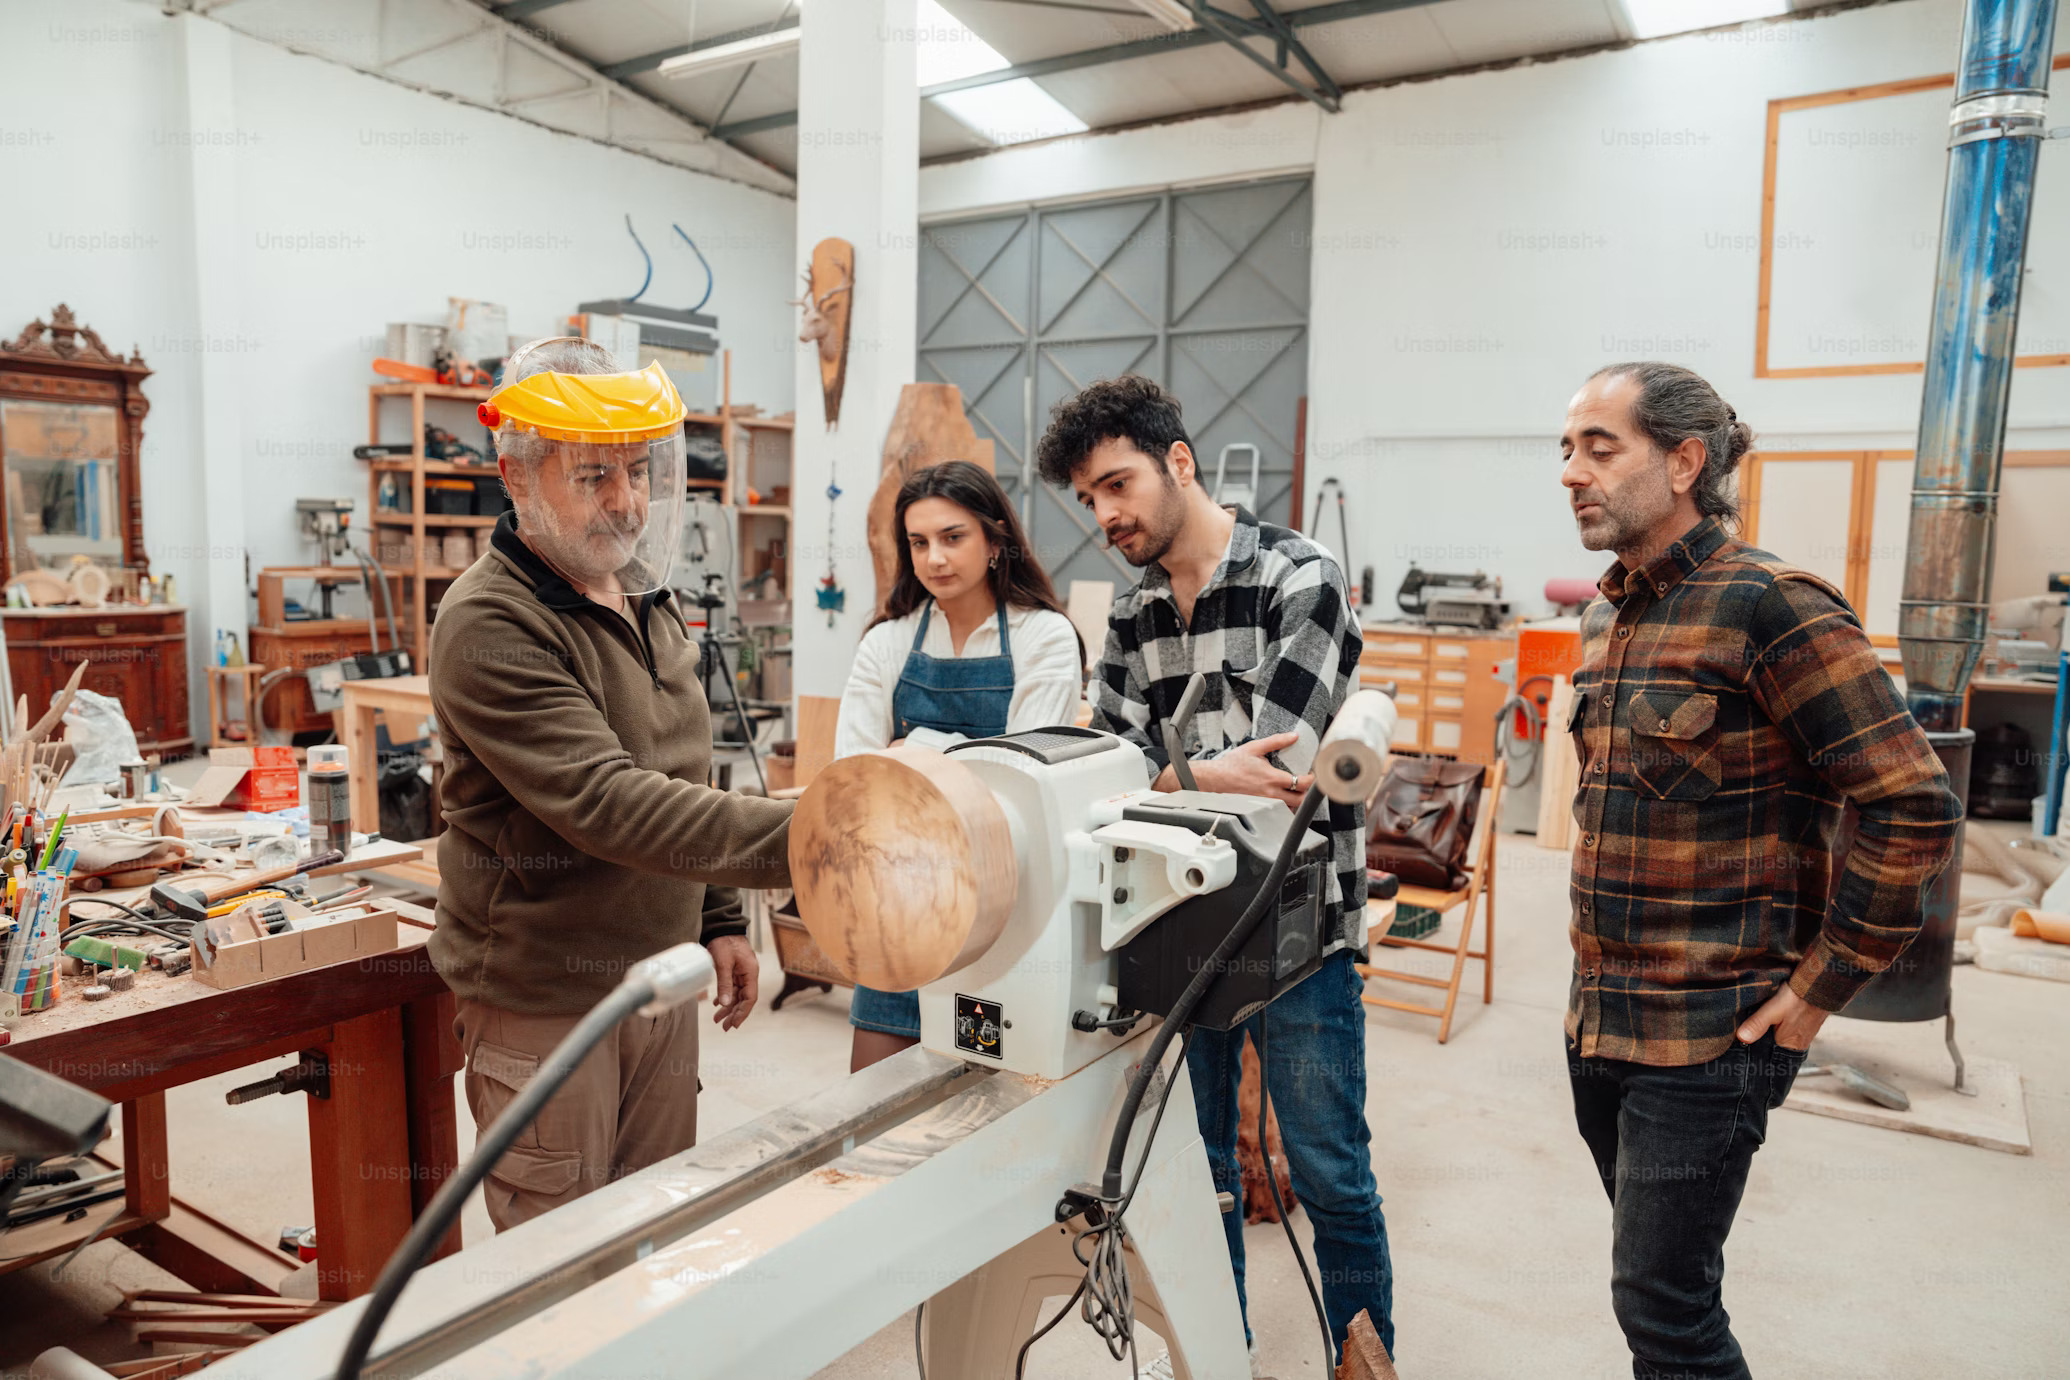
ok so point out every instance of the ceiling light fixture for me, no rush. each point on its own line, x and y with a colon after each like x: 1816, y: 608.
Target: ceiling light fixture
x: 761, y: 47
x: 1171, y: 14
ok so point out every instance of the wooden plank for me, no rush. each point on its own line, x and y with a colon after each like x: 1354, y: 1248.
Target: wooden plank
x: 359, y: 1155
x: 208, y: 1254
x: 146, y: 1175
x: 1364, y: 1357
x: 431, y: 1059
x: 1767, y: 269
x: 1562, y: 771
x: 188, y: 1025
x: 818, y: 716
x: 928, y: 428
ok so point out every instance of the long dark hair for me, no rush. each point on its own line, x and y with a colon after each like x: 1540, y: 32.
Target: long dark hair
x: 1018, y: 581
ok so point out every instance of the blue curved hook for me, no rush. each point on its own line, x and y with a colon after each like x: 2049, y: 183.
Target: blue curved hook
x: 644, y: 255
x: 701, y: 259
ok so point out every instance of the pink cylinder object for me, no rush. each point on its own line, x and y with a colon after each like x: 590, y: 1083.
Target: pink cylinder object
x: 1568, y: 590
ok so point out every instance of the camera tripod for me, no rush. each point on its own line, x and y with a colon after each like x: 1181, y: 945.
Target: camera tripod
x: 711, y: 649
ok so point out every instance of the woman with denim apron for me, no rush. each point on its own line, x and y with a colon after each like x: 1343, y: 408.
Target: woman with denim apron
x: 928, y: 672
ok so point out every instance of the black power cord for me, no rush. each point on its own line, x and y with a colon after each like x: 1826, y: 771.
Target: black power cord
x: 1181, y: 1013
x: 668, y: 979
x: 1322, y: 1319
x: 1177, y: 1020
x: 1112, y: 1223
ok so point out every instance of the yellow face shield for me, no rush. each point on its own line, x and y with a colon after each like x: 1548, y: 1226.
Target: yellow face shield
x: 596, y: 408
x: 602, y: 499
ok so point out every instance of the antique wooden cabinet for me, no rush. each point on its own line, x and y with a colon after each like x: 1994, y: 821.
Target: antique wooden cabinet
x: 71, y: 421
x: 136, y: 653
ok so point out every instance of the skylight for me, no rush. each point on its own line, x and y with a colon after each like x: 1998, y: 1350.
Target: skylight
x: 1011, y: 112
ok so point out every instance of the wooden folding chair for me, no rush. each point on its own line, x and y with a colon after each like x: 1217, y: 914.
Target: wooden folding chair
x: 1477, y: 894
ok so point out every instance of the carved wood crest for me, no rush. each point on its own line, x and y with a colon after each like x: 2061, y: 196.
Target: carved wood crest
x: 62, y: 338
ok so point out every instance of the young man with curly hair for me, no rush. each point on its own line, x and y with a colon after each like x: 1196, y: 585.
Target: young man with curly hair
x: 1264, y: 613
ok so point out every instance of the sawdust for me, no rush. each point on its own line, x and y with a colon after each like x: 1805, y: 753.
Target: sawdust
x: 1037, y: 1083
x: 831, y: 1175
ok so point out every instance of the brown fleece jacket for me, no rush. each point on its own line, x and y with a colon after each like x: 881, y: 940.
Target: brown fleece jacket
x: 580, y: 835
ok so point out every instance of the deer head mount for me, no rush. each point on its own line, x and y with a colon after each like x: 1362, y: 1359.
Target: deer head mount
x: 816, y: 325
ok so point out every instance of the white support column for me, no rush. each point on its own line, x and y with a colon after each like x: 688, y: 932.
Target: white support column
x: 858, y: 176
x: 217, y: 599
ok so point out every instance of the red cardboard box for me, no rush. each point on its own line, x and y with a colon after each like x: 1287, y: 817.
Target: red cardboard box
x: 249, y: 778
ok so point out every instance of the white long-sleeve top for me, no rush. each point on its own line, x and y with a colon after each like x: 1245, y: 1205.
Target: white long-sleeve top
x: 1046, y: 683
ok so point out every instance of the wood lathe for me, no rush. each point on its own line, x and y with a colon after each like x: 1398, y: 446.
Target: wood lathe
x: 1050, y: 909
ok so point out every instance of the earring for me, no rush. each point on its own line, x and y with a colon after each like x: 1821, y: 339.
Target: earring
x: 994, y: 563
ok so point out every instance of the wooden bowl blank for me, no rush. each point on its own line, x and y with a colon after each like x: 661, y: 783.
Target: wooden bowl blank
x: 903, y: 866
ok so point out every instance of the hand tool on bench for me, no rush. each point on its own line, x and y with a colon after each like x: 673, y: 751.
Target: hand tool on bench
x: 195, y: 903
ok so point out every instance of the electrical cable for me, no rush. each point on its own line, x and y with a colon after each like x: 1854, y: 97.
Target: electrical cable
x: 919, y: 1354
x: 663, y: 981
x: 371, y: 571
x: 1020, y: 1362
x: 1322, y: 1319
x: 649, y: 258
x: 1113, y: 1220
x: 1213, y: 968
x: 708, y: 280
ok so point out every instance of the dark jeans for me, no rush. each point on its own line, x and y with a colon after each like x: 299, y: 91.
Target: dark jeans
x: 1317, y: 1052
x: 1673, y: 1146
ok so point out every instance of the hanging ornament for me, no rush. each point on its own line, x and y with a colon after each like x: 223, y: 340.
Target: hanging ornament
x: 831, y: 597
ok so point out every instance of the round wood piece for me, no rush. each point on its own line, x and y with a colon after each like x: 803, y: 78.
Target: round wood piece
x: 902, y: 862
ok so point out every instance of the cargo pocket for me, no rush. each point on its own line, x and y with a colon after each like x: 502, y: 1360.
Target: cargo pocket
x: 1675, y: 743
x: 496, y: 1074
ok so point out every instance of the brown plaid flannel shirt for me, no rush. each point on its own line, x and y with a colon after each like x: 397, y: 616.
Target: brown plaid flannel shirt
x: 1724, y: 706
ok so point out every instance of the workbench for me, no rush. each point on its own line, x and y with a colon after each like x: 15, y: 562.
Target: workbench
x: 379, y: 1146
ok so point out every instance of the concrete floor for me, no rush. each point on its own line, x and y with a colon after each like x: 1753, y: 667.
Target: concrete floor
x: 1858, y: 1252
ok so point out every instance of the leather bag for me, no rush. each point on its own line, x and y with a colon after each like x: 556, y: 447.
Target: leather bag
x: 1421, y: 821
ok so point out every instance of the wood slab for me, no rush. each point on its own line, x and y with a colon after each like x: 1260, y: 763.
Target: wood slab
x: 928, y: 428
x: 902, y: 864
x: 832, y: 285
x: 1911, y: 1055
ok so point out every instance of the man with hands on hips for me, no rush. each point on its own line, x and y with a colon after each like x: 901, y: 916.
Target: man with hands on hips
x: 581, y: 834
x: 1725, y: 706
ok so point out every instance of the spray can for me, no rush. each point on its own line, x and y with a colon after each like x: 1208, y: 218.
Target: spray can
x: 330, y: 800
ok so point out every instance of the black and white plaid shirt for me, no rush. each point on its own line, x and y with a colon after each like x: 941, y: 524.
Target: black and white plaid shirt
x: 1274, y: 632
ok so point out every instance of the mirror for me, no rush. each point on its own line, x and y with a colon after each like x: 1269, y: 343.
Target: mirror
x: 71, y: 423
x: 63, y: 490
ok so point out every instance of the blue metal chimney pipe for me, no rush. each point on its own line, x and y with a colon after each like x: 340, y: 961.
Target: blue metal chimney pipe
x: 1996, y: 128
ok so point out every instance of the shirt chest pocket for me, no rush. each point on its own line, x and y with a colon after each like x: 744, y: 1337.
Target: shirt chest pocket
x: 1675, y: 744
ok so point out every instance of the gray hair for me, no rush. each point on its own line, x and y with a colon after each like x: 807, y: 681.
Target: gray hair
x: 559, y: 354
x: 1675, y: 404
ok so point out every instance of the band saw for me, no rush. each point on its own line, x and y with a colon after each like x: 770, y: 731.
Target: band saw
x: 1051, y: 912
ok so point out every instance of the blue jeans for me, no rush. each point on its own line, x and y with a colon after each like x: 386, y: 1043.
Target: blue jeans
x: 1317, y: 1069
x: 1673, y: 1147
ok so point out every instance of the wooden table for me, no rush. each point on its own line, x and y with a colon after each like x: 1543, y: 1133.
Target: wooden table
x: 404, y: 696
x: 379, y: 1146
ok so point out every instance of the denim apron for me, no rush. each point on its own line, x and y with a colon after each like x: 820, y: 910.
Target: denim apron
x: 967, y: 695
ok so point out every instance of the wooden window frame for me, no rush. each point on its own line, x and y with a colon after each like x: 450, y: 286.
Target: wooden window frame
x: 1845, y: 95
x: 1861, y: 504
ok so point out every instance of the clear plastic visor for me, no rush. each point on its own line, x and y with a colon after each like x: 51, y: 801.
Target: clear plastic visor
x: 607, y: 515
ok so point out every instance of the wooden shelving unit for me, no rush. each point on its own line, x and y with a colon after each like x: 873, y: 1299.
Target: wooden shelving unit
x: 753, y: 444
x: 758, y: 456
x: 422, y: 570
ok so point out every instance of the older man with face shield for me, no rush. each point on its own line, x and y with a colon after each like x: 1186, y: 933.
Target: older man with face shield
x: 581, y: 834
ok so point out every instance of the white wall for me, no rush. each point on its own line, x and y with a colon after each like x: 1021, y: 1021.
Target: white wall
x: 1484, y: 242
x: 353, y: 203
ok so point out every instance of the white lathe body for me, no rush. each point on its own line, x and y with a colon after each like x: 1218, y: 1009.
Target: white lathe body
x: 934, y: 1176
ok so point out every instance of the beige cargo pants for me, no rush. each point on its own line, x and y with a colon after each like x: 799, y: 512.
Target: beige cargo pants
x: 631, y: 1103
